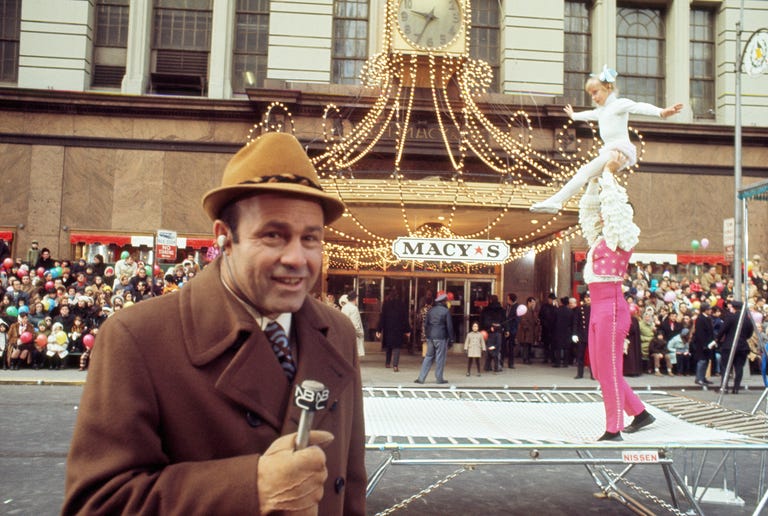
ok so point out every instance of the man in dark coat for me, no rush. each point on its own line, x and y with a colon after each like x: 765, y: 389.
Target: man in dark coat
x: 727, y: 338
x: 547, y: 316
x: 702, y: 343
x: 393, y: 329
x: 562, y: 333
x: 492, y: 319
x: 511, y: 324
x: 439, y: 329
x: 581, y: 334
x: 189, y: 405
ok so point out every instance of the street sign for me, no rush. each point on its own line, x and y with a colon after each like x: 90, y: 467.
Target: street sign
x: 165, y: 245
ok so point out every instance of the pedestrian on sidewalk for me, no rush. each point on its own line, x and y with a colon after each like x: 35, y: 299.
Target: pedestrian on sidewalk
x: 474, y: 345
x: 439, y: 330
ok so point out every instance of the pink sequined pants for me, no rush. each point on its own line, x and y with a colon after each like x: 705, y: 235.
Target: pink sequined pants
x: 608, y: 326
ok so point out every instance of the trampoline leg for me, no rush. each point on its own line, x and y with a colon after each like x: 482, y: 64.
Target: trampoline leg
x: 761, y: 505
x: 670, y: 486
x: 759, y: 401
x: 688, y: 494
x: 375, y: 477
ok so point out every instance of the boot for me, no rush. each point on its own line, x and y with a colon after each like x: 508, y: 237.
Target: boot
x: 14, y: 364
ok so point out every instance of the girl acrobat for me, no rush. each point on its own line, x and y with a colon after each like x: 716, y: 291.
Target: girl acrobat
x: 612, y: 114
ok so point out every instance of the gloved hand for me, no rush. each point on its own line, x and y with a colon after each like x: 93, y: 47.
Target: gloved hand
x: 712, y: 345
x: 575, y: 338
x: 291, y: 480
x: 626, y: 346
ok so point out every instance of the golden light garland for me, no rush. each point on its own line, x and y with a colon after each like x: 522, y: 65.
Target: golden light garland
x: 508, y: 152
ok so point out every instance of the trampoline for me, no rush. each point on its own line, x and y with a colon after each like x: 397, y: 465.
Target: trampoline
x: 546, y: 427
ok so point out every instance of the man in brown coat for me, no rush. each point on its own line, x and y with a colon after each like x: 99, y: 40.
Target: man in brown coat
x: 188, y: 408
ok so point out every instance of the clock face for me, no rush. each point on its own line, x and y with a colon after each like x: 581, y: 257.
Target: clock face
x: 755, y: 59
x: 429, y: 24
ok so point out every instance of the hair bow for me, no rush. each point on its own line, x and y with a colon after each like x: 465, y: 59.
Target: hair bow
x: 608, y: 74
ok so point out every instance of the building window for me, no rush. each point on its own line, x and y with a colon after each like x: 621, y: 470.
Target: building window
x: 640, y: 54
x: 180, y: 47
x: 110, y: 43
x: 249, y: 67
x: 703, y: 63
x: 350, y: 40
x: 10, y: 27
x: 485, y: 35
x: 577, y: 52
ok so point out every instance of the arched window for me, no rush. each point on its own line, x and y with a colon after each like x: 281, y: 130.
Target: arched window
x: 350, y: 40
x: 640, y: 54
x: 485, y: 36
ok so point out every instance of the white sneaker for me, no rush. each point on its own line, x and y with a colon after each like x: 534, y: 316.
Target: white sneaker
x: 546, y: 207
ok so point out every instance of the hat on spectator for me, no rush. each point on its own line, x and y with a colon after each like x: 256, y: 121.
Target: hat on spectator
x: 3, y: 323
x: 685, y: 331
x: 352, y: 296
x: 343, y: 300
x: 736, y: 304
x: 441, y: 296
x: 703, y: 307
x: 272, y: 163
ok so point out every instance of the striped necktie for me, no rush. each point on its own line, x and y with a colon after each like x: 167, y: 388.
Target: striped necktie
x: 282, y: 348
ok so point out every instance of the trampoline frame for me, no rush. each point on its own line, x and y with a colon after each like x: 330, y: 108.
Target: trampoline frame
x: 596, y: 457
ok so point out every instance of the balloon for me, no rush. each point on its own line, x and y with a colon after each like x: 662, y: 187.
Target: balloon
x: 669, y: 297
x: 124, y: 255
x: 758, y: 317
x: 40, y: 272
x: 21, y: 273
x: 88, y: 341
x: 695, y: 244
x: 148, y: 269
x: 450, y: 296
x: 484, y: 334
x: 720, y: 287
x: 49, y: 285
x: 26, y: 337
x: 55, y: 272
x: 24, y: 309
x: 704, y: 243
x: 7, y: 263
x: 41, y: 340
x: 521, y: 310
x: 158, y: 270
x: 61, y: 338
x: 12, y: 311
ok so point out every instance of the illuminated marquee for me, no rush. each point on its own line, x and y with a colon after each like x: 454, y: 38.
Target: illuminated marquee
x: 450, y: 250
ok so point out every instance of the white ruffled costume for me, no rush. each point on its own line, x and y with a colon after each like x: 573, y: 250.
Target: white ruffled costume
x: 613, y: 119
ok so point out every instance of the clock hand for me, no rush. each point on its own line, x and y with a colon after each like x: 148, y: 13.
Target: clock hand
x: 430, y: 17
x: 423, y: 15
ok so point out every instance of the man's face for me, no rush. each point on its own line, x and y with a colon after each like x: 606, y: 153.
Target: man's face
x: 278, y: 256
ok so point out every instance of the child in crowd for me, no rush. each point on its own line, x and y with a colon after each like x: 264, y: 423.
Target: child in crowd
x: 474, y: 345
x: 679, y: 348
x: 493, y: 346
x: 658, y: 352
x: 612, y: 114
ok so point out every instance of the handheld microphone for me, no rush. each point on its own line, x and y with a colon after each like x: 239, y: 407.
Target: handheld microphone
x: 310, y: 397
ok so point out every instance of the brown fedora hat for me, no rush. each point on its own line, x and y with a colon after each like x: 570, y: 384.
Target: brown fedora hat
x: 272, y: 163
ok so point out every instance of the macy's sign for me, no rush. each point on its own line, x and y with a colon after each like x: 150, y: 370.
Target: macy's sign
x: 450, y: 250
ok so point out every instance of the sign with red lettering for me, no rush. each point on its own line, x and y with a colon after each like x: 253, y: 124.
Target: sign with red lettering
x: 165, y: 245
x: 640, y: 456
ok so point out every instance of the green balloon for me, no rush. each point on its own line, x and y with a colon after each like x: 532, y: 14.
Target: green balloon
x: 695, y: 244
x: 12, y: 311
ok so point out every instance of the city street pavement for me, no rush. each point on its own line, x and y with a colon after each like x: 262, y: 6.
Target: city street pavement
x: 38, y: 411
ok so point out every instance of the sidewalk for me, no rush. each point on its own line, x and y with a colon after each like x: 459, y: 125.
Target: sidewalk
x: 374, y: 374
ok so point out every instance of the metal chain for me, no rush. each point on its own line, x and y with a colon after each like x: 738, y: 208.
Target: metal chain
x: 644, y: 492
x: 424, y: 492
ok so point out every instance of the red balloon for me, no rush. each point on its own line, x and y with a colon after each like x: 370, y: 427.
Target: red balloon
x: 484, y: 334
x: 157, y: 270
x: 21, y: 273
x: 26, y: 337
x: 88, y: 341
x: 41, y: 340
x: 450, y: 296
x: 49, y: 285
x: 8, y: 263
x: 40, y: 272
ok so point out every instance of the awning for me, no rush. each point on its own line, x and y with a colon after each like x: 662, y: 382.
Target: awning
x: 135, y: 240
x: 110, y: 239
x: 670, y: 258
x: 6, y: 235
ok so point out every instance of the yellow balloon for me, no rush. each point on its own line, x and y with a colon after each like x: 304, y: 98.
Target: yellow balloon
x: 61, y: 337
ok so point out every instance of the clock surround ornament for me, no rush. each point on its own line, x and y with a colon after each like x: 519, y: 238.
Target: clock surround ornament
x: 423, y: 27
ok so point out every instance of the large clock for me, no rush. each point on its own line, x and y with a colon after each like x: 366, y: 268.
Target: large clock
x: 754, y: 61
x: 428, y: 26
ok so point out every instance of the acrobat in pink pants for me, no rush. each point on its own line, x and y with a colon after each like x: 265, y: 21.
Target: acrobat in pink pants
x: 608, y: 326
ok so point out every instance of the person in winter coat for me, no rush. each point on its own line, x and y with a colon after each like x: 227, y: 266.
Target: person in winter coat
x: 393, y: 329
x: 529, y: 330
x: 727, y: 337
x: 474, y: 345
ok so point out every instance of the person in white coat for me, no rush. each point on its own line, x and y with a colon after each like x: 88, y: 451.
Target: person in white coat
x: 350, y: 310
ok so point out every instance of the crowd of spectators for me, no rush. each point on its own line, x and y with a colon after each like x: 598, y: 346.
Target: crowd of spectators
x: 665, y: 309
x: 51, y: 310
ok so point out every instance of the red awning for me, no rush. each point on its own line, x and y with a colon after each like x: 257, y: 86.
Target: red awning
x: 199, y: 243
x: 711, y: 259
x: 91, y: 238
x: 6, y: 235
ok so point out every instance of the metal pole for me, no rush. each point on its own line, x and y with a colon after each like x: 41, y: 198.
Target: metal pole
x: 738, y: 220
